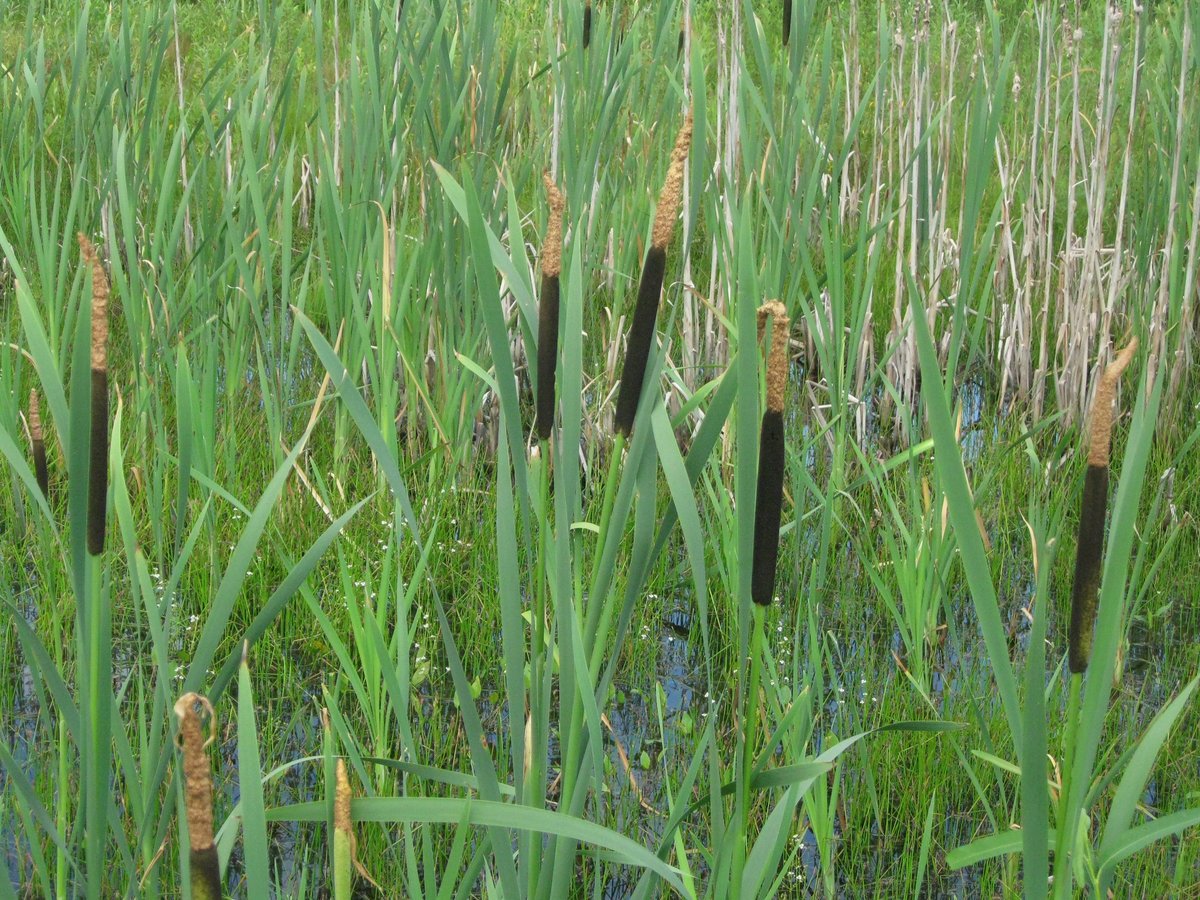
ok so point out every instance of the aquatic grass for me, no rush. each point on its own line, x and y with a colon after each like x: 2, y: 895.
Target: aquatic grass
x: 263, y: 198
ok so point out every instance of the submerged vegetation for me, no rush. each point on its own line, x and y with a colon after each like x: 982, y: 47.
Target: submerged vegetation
x: 338, y: 559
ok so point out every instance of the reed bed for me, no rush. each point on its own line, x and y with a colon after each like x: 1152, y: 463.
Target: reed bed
x: 418, y: 354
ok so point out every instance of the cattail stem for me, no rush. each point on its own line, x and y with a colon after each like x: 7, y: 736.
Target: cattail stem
x: 768, y: 506
x: 547, y: 350
x: 98, y: 452
x: 36, y: 439
x: 1093, y: 511
x: 599, y: 614
x: 1066, y: 819
x: 641, y: 331
x: 749, y: 748
x: 197, y: 790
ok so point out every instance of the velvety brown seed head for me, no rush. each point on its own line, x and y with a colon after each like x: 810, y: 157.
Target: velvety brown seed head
x: 206, y: 874
x: 1100, y: 438
x: 99, y: 304
x: 197, y: 774
x: 547, y: 355
x: 98, y: 464
x: 587, y: 25
x: 768, y: 507
x: 672, y: 190
x: 1088, y: 553
x: 341, y: 800
x: 641, y: 336
x: 787, y: 21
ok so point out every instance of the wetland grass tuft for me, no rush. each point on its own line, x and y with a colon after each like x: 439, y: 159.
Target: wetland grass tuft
x: 1090, y: 541
x: 547, y: 350
x: 197, y: 792
x: 768, y: 506
x: 98, y: 458
x: 641, y: 332
x: 36, y: 439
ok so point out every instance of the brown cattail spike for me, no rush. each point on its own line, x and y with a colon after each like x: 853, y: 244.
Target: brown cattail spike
x: 672, y: 190
x: 645, y: 312
x: 787, y: 21
x: 587, y: 25
x: 98, y: 452
x: 1092, y: 514
x: 768, y: 504
x: 40, y: 470
x: 547, y: 350
x: 197, y: 792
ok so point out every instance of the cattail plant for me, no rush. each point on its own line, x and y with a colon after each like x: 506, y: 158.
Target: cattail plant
x: 641, y: 333
x: 768, y: 505
x: 1083, y: 596
x: 197, y: 794
x: 787, y: 21
x: 547, y: 360
x: 1092, y: 514
x: 38, y: 443
x: 98, y: 460
x: 587, y: 25
x: 343, y: 837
